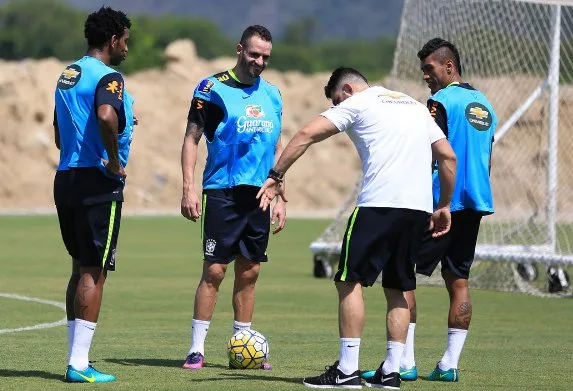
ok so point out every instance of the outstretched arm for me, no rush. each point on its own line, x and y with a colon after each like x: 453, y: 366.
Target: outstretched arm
x: 315, y: 131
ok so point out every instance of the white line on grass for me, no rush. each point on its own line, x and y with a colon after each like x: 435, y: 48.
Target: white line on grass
x: 35, y: 300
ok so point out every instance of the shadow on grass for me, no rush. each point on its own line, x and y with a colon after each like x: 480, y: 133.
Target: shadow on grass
x: 249, y: 375
x: 156, y: 362
x: 40, y: 374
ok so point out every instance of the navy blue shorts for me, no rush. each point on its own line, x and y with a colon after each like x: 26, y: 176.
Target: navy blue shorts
x: 233, y: 224
x: 379, y: 239
x: 89, y: 215
x: 455, y: 250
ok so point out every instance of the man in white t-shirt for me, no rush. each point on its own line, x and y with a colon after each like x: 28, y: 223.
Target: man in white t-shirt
x: 397, y: 140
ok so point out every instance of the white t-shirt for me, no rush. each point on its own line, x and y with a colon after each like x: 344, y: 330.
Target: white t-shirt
x: 393, y: 134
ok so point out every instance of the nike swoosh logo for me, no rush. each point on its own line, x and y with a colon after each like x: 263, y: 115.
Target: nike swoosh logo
x: 88, y: 379
x: 387, y: 378
x: 342, y: 381
x: 442, y: 375
x: 245, y: 97
x: 351, y: 346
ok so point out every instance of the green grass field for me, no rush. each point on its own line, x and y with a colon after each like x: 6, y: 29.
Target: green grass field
x: 516, y: 342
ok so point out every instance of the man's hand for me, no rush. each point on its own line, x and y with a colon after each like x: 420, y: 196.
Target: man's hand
x: 268, y: 192
x: 190, y: 206
x: 279, y: 216
x: 115, y: 168
x: 440, y: 222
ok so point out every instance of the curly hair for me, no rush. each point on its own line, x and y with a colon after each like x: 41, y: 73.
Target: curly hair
x: 437, y: 43
x: 256, y: 29
x: 101, y: 25
x: 339, y: 76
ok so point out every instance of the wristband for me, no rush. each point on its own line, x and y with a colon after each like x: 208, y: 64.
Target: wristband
x: 276, y: 176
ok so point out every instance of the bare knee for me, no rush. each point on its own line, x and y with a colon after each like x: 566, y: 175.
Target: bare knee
x: 247, y: 272
x: 214, y: 274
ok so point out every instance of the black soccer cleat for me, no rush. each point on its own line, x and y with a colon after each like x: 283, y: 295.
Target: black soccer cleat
x: 390, y: 381
x: 334, y: 378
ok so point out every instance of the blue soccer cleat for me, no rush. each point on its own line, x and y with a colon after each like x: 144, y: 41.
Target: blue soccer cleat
x: 409, y: 374
x: 90, y: 375
x: 451, y: 375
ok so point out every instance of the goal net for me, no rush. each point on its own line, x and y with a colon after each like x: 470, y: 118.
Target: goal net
x: 520, y: 54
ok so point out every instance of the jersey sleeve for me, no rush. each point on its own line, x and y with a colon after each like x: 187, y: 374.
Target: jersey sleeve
x: 438, y: 112
x: 435, y: 131
x: 343, y: 116
x: 204, y: 110
x: 109, y: 91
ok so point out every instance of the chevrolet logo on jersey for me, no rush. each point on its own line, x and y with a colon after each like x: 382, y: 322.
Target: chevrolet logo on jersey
x: 393, y: 95
x: 70, y: 77
x: 70, y: 73
x: 478, y: 112
x: 478, y: 116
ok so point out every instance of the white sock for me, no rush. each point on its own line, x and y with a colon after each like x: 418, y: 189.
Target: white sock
x: 71, y: 329
x: 83, y: 335
x: 198, y: 334
x: 394, y: 351
x: 408, y: 360
x: 241, y: 326
x: 456, y: 340
x: 349, y: 352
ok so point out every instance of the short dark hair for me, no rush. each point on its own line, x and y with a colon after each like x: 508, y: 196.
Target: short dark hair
x: 256, y: 29
x: 101, y: 25
x: 436, y: 43
x: 339, y: 76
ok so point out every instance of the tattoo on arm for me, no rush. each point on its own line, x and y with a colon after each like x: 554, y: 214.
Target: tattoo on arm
x: 194, y: 131
x: 463, y: 315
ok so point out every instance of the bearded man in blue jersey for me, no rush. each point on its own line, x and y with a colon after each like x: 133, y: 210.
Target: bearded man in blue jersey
x: 240, y: 115
x: 468, y: 120
x: 93, y: 124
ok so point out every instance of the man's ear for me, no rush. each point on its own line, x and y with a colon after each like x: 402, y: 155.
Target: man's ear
x: 240, y: 48
x: 347, y: 88
x: 113, y: 41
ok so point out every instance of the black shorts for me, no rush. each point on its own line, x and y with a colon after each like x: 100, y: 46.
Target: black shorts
x: 233, y: 224
x: 455, y: 250
x: 379, y: 239
x: 89, y: 220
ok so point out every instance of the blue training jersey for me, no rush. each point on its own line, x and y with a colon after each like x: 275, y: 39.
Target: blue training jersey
x: 242, y: 125
x: 82, y: 87
x: 471, y: 123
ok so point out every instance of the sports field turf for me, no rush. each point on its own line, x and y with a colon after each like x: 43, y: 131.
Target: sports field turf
x: 516, y: 342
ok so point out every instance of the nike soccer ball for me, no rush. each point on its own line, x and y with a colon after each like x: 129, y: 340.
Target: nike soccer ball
x: 247, y: 349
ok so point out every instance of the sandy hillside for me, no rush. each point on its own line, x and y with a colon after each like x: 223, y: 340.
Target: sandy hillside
x: 319, y: 181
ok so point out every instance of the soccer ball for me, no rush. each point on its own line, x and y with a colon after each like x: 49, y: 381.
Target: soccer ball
x: 247, y: 349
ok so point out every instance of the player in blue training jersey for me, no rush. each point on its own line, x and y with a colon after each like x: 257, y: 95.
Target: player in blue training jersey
x: 468, y: 120
x: 240, y: 115
x: 93, y: 124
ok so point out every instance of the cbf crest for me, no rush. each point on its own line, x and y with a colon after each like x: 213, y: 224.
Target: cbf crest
x: 210, y: 246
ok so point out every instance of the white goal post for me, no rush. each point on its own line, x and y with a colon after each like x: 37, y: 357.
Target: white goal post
x: 520, y: 54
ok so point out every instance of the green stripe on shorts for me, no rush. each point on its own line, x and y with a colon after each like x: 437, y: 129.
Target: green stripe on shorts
x: 348, y: 234
x: 109, y: 231
x: 203, y: 208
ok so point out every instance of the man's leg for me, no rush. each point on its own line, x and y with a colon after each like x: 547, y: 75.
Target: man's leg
x: 87, y: 304
x: 205, y: 301
x: 246, y: 276
x: 408, y: 370
x: 70, y: 300
x: 459, y: 318
x: 350, y: 324
x: 344, y: 373
x: 397, y: 320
